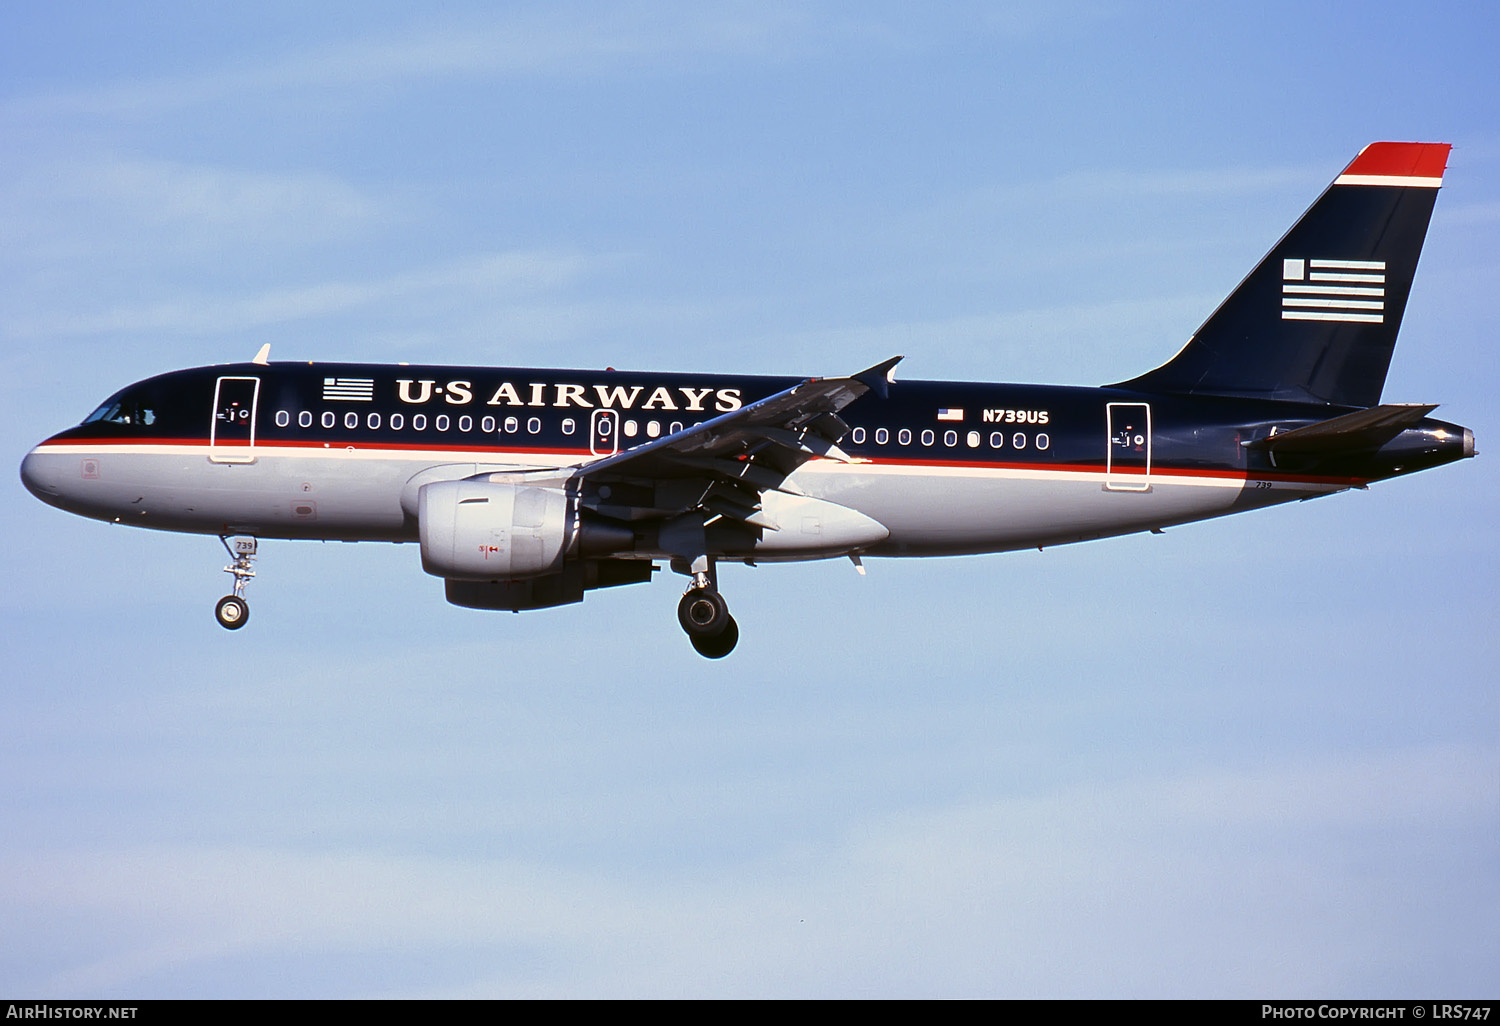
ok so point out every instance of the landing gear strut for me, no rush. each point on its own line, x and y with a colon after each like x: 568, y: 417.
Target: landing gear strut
x: 704, y: 615
x: 233, y: 612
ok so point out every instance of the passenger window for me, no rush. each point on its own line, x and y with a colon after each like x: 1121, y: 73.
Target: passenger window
x: 351, y: 420
x: 928, y: 437
x: 487, y: 425
x: 419, y: 422
x: 997, y: 439
x: 283, y: 418
x: 882, y: 436
x: 1018, y: 440
x: 1042, y: 441
x: 512, y: 425
x: 858, y: 435
x: 950, y: 438
x: 329, y: 420
x: 569, y: 425
x: 397, y: 422
x: 373, y: 421
x: 441, y: 423
x: 304, y: 419
x: 466, y: 423
x: 904, y: 436
x: 534, y: 425
x: 973, y: 439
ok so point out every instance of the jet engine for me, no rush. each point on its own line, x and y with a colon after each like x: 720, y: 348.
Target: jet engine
x: 477, y: 530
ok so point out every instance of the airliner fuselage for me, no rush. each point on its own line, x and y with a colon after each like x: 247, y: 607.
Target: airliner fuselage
x: 338, y: 451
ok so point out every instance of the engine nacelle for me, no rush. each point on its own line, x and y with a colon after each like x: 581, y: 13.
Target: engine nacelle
x: 485, y: 531
x: 559, y: 589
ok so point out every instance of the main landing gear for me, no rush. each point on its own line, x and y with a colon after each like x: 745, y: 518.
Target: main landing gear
x: 233, y: 612
x: 704, y: 615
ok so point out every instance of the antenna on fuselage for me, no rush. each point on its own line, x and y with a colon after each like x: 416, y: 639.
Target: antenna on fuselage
x: 264, y: 356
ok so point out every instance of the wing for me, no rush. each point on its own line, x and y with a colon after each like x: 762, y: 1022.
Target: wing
x: 722, y: 466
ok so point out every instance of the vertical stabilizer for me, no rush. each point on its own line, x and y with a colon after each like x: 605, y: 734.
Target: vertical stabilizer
x: 1317, y: 318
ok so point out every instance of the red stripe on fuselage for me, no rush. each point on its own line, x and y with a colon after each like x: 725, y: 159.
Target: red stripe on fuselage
x: 417, y: 451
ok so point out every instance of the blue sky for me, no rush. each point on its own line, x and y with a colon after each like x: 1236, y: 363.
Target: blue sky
x: 1247, y: 757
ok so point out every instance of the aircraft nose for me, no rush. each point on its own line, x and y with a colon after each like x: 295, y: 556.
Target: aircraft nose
x: 38, y: 476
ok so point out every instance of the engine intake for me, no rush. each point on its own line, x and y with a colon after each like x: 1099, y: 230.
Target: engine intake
x: 484, y: 531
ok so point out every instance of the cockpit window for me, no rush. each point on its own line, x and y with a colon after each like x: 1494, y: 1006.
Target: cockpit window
x: 124, y: 410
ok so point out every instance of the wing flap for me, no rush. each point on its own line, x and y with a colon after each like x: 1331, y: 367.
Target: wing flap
x: 795, y: 421
x: 723, y: 466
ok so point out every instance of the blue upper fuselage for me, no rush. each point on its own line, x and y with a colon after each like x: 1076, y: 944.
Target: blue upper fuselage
x: 576, y: 415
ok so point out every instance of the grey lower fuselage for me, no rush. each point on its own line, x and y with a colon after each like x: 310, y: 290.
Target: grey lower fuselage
x: 937, y: 464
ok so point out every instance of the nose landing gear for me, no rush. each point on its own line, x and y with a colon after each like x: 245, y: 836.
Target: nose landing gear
x: 233, y: 612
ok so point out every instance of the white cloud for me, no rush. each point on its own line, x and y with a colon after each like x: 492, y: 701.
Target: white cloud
x: 493, y: 275
x: 1481, y: 213
x: 556, y: 40
x: 560, y: 39
x: 1055, y: 343
x: 1228, y: 884
x: 179, y: 194
x: 64, y: 212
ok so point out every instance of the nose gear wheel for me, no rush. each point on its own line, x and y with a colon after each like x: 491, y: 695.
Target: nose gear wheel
x: 233, y: 612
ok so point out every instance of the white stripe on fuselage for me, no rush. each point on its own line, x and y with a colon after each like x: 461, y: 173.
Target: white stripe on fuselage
x: 929, y: 509
x: 422, y: 458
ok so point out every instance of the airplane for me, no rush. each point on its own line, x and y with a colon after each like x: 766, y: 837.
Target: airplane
x: 527, y: 488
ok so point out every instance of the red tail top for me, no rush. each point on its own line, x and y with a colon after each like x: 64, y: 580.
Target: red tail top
x: 1419, y: 165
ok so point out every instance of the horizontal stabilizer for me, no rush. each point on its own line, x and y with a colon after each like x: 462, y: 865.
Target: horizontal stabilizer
x: 1363, y: 429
